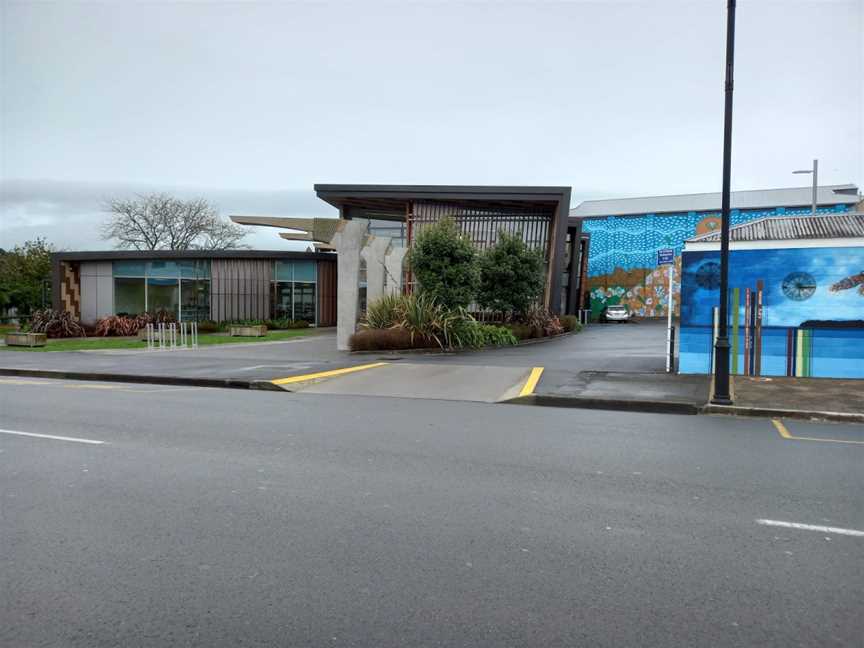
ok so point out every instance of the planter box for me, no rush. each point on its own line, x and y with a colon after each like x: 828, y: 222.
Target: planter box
x: 26, y: 339
x: 248, y: 331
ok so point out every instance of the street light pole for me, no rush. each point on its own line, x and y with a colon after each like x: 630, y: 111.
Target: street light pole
x: 815, y: 184
x: 815, y: 172
x: 721, y: 346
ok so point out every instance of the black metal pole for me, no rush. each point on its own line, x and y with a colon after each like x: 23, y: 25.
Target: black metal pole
x: 721, y: 347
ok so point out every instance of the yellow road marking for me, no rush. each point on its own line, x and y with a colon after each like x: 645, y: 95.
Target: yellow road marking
x: 784, y: 432
x: 325, y: 374
x: 531, y: 383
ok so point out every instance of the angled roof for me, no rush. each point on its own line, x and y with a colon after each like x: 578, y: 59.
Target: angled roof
x: 388, y: 202
x: 845, y: 194
x: 790, y: 228
x: 308, y: 229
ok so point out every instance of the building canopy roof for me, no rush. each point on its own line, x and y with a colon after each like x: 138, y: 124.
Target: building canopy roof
x: 790, y: 228
x: 388, y: 202
x: 845, y: 194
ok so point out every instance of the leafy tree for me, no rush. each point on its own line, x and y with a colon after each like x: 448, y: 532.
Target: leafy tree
x: 23, y: 271
x: 158, y: 221
x: 511, y: 276
x: 445, y: 264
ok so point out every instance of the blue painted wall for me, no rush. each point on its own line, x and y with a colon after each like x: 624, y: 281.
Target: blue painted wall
x: 801, y: 287
x: 623, y: 254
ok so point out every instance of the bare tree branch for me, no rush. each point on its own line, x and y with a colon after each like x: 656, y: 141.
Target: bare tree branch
x: 158, y: 221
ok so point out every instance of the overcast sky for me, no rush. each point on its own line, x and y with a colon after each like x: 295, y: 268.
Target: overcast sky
x: 249, y: 104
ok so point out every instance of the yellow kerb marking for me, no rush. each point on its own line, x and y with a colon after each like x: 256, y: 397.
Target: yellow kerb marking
x: 784, y: 432
x: 531, y: 383
x: 325, y: 374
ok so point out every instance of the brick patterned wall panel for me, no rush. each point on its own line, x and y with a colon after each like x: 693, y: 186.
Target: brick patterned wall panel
x: 70, y: 288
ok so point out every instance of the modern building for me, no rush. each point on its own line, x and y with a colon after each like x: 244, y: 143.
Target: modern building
x: 197, y: 285
x: 796, y: 297
x: 396, y: 213
x: 626, y: 234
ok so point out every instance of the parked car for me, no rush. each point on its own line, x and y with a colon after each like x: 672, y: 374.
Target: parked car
x: 616, y: 313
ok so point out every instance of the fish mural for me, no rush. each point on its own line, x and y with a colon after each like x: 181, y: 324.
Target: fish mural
x: 793, y: 312
x: 850, y: 282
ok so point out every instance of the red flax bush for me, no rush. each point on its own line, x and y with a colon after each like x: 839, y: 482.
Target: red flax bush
x: 55, y: 324
x: 123, y: 325
x: 389, y: 339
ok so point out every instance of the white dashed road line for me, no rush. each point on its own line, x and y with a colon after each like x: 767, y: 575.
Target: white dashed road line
x: 52, y: 436
x: 812, y: 527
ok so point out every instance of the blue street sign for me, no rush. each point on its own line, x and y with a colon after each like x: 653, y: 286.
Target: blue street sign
x: 666, y: 256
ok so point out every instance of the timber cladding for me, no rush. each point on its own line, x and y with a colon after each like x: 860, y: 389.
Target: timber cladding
x: 240, y: 289
x: 327, y: 293
x: 70, y: 288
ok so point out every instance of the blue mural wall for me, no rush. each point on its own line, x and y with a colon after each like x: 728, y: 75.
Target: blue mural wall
x: 792, y: 311
x: 622, y: 260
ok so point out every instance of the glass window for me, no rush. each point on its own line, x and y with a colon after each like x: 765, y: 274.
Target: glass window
x: 304, y: 271
x: 304, y: 301
x: 282, y: 300
x: 194, y: 300
x: 284, y: 271
x: 129, y: 296
x: 163, y: 269
x: 128, y: 268
x: 195, y: 268
x: 163, y: 294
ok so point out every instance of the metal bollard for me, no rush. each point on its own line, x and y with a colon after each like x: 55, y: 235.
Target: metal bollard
x: 149, y: 330
x: 194, y: 335
x: 161, y: 335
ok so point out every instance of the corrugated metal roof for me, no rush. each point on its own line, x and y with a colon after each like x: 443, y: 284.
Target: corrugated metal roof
x: 846, y: 194
x: 788, y: 228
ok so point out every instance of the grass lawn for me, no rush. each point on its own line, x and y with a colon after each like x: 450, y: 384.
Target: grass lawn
x: 208, y: 339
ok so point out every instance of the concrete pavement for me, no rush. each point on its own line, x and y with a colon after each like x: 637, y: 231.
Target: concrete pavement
x: 619, y: 367
x: 220, y: 518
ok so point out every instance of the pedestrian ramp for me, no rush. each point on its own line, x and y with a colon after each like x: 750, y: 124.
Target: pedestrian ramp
x: 486, y: 384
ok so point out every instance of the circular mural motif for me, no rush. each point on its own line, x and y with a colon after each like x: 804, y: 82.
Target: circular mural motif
x: 798, y: 286
x: 708, y: 275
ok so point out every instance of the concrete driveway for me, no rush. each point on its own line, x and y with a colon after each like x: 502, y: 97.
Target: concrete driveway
x: 313, y: 364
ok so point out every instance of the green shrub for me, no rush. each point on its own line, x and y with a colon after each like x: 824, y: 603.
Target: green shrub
x: 570, y: 323
x: 385, y: 312
x: 497, y: 335
x: 511, y: 276
x: 444, y: 263
x: 523, y: 331
x: 208, y: 326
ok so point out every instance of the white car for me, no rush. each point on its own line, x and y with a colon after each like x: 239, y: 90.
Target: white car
x: 616, y: 313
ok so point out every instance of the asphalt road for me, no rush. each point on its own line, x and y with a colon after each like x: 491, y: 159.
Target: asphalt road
x: 229, y: 518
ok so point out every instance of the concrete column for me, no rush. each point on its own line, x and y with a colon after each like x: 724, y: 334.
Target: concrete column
x: 347, y: 241
x: 374, y: 254
x: 393, y: 264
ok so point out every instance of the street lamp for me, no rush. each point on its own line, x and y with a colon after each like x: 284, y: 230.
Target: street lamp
x: 722, y: 394
x: 815, y: 172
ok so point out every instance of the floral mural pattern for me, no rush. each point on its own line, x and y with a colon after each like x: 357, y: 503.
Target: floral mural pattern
x: 622, y: 262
